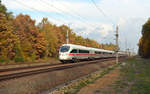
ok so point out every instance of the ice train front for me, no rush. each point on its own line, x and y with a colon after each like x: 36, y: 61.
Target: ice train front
x: 64, y: 53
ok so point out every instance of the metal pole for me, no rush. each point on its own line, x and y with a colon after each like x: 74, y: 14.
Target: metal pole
x: 67, y: 37
x: 126, y: 45
x: 117, y: 47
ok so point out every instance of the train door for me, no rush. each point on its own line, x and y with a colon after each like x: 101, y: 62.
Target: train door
x: 74, y: 53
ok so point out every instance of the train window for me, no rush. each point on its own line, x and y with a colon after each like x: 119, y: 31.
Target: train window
x: 87, y: 51
x: 83, y: 51
x: 74, y: 51
x: 100, y: 53
x: 80, y: 51
x: 64, y: 48
x: 97, y: 52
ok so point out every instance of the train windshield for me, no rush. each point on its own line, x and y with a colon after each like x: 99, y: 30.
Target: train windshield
x: 64, y: 49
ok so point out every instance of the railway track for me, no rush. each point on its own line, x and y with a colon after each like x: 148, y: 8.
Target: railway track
x: 8, y: 74
x: 26, y: 67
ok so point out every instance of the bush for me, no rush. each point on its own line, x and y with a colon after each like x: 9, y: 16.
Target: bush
x: 19, y: 59
x: 33, y: 57
x: 3, y: 59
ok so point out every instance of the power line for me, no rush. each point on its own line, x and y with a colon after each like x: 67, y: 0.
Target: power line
x: 83, y: 18
x: 77, y: 16
x: 100, y: 10
x: 47, y: 3
x: 36, y: 10
x: 47, y: 6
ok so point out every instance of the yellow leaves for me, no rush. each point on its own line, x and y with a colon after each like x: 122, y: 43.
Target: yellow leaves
x: 7, y: 38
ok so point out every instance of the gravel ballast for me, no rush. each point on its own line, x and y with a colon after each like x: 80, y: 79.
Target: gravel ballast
x: 40, y: 83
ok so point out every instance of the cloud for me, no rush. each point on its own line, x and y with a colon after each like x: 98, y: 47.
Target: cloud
x: 97, y: 32
x: 130, y: 32
x: 126, y: 8
x: 121, y: 21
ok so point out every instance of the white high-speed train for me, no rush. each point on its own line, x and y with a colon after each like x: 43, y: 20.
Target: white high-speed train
x: 71, y: 52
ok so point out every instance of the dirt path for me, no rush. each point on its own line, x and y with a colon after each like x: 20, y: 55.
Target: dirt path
x: 102, y: 84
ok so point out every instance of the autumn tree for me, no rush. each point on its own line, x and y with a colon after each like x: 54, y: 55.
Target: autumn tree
x: 144, y: 43
x: 8, y: 39
x: 50, y: 35
x: 31, y: 40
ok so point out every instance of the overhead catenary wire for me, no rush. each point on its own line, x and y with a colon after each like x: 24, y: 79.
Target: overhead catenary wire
x: 74, y: 12
x: 67, y: 13
x: 48, y: 4
x: 101, y: 11
x: 32, y: 8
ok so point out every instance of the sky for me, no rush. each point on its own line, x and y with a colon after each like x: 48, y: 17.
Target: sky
x: 97, y: 23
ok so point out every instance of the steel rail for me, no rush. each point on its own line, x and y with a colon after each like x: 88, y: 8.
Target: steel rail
x: 52, y: 68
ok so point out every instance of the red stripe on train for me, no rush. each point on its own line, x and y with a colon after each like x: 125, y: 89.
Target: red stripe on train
x: 87, y: 54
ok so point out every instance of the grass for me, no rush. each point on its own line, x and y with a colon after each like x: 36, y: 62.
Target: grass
x: 82, y: 84
x: 135, y: 77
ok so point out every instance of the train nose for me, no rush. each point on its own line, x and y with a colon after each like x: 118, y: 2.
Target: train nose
x: 64, y: 56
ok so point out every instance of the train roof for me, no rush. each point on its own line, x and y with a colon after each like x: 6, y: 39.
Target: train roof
x: 87, y: 48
